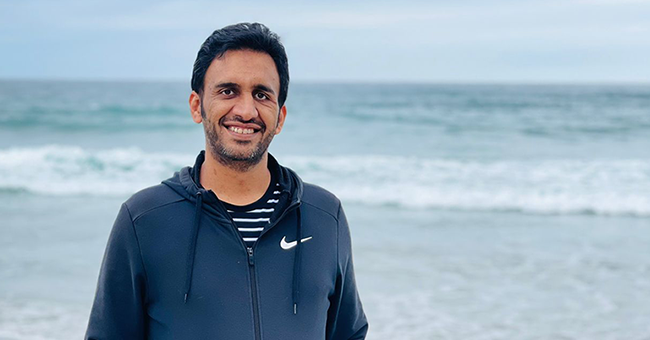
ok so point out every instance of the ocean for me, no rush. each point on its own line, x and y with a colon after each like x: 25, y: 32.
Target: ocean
x: 477, y: 211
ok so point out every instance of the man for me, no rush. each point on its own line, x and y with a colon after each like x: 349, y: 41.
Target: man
x: 237, y: 246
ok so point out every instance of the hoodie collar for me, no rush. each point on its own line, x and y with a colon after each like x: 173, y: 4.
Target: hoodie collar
x: 186, y: 183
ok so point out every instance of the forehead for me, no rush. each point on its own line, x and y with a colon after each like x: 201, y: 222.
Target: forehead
x: 243, y: 67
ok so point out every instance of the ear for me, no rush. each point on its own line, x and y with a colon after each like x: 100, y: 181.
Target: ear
x: 195, y: 107
x: 281, y: 117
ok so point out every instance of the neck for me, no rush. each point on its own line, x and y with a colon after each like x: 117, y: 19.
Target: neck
x: 232, y: 185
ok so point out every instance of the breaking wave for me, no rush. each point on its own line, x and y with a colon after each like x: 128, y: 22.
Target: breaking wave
x: 601, y: 187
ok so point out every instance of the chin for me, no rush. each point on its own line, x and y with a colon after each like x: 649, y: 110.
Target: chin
x: 237, y: 158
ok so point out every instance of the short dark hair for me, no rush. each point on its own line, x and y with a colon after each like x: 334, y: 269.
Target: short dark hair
x: 242, y: 36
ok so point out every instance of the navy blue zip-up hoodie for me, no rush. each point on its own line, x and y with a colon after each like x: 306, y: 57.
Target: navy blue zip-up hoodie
x: 176, y: 267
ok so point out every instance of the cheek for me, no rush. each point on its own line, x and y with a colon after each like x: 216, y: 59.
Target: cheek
x: 215, y: 112
x: 273, y: 122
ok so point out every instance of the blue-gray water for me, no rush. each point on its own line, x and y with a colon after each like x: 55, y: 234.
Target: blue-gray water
x: 477, y: 211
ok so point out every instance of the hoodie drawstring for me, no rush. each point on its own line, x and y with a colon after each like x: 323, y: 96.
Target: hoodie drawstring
x: 296, y: 265
x: 192, y: 249
x: 192, y: 254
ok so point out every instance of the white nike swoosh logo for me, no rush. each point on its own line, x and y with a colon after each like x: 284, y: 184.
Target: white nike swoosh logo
x: 288, y: 245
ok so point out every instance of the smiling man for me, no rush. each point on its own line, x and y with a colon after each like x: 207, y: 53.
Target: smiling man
x: 236, y: 246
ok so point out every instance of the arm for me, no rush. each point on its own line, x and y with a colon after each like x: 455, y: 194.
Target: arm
x: 118, y: 310
x: 345, y: 317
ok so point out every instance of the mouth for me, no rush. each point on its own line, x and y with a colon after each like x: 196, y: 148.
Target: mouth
x: 242, y: 131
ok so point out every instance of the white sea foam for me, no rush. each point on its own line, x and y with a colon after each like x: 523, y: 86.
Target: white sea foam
x: 607, y: 187
x: 620, y: 187
x: 36, y: 320
x: 72, y: 170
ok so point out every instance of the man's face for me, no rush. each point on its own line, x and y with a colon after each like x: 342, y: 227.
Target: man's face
x: 239, y: 107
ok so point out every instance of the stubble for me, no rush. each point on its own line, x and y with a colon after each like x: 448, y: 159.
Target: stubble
x: 237, y: 160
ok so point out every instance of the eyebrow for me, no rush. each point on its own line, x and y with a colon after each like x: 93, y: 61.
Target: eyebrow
x: 264, y: 88
x: 220, y: 85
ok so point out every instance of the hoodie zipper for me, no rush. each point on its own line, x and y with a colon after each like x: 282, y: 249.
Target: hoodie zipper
x: 256, y: 314
x: 251, y: 266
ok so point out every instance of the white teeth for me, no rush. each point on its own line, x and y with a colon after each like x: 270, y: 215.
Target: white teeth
x: 240, y: 130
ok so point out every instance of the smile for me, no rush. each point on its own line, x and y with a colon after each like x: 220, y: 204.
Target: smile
x: 241, y: 130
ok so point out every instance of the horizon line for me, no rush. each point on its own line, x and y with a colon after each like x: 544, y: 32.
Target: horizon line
x: 346, y: 81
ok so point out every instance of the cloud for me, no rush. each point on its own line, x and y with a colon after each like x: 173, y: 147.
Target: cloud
x: 368, y: 38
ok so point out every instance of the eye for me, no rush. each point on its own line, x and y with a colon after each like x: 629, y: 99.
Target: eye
x: 227, y: 92
x: 261, y: 96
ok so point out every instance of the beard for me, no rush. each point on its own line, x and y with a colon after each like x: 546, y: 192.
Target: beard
x: 235, y: 158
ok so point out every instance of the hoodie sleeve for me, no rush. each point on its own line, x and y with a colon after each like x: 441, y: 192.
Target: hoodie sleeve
x: 345, y: 317
x: 118, y: 309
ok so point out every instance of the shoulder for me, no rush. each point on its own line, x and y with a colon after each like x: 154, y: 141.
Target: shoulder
x: 319, y: 198
x: 150, y: 199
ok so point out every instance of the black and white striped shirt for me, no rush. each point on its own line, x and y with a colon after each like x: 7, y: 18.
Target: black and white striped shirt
x: 253, y: 218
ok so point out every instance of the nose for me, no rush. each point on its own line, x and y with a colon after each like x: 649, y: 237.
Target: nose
x: 245, y: 108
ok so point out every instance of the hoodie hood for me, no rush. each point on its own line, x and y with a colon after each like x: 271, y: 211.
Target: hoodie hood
x: 186, y: 183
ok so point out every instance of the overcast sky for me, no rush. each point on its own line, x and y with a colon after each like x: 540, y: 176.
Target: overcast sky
x: 375, y: 41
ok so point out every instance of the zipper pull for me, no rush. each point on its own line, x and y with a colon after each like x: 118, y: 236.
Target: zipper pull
x: 251, y: 259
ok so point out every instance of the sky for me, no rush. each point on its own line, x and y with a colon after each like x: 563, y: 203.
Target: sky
x: 569, y: 41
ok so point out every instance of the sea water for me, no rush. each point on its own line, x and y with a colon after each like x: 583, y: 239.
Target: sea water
x: 477, y: 211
